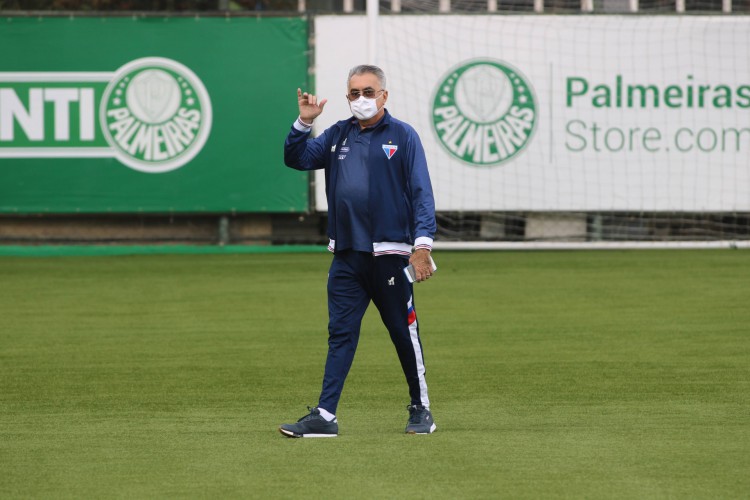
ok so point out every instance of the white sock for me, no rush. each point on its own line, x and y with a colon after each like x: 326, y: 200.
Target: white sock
x: 326, y: 414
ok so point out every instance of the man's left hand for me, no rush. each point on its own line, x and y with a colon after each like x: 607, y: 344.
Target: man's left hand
x: 420, y: 259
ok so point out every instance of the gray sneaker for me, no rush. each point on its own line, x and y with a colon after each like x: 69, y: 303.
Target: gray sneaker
x: 420, y: 420
x: 312, y: 425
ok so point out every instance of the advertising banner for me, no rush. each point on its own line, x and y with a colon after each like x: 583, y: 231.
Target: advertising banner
x: 562, y: 113
x: 149, y: 114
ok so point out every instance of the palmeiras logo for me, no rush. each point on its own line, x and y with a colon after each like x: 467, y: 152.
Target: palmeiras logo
x: 156, y: 114
x: 484, y: 112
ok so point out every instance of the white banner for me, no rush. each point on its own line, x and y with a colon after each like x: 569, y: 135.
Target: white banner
x: 561, y: 113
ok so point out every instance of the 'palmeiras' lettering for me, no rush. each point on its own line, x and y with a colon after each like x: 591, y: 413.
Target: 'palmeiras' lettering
x: 154, y: 142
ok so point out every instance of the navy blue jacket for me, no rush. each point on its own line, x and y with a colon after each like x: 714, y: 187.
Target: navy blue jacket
x: 402, y: 207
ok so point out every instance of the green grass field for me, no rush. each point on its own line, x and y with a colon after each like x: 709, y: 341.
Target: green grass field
x: 552, y: 375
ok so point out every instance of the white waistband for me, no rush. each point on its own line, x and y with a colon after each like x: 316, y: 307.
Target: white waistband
x: 392, y: 248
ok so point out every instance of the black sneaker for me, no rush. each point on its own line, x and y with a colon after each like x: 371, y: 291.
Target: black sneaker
x: 312, y: 425
x: 420, y: 420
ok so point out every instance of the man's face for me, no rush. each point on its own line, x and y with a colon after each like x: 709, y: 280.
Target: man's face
x: 368, y: 85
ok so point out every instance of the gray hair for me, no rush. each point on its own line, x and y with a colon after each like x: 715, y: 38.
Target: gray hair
x: 367, y: 68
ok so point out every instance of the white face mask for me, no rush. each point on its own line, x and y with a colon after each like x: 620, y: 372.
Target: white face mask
x: 364, y: 108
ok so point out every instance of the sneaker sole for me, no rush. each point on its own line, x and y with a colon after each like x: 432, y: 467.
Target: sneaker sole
x: 291, y: 434
x: 414, y: 433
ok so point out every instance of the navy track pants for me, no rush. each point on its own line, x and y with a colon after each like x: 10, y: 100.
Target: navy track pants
x: 355, y: 279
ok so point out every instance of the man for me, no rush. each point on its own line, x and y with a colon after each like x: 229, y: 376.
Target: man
x: 380, y: 207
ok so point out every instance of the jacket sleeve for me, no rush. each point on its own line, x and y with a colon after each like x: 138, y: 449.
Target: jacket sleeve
x: 303, y: 153
x: 420, y: 192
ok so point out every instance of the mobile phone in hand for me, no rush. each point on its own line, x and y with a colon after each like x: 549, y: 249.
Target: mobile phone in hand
x: 411, y: 274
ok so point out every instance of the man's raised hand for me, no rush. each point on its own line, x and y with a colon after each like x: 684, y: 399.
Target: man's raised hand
x: 309, y: 107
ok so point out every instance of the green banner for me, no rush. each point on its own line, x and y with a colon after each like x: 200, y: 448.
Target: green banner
x: 122, y: 115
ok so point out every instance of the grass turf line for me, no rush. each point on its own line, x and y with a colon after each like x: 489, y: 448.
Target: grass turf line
x: 552, y: 374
